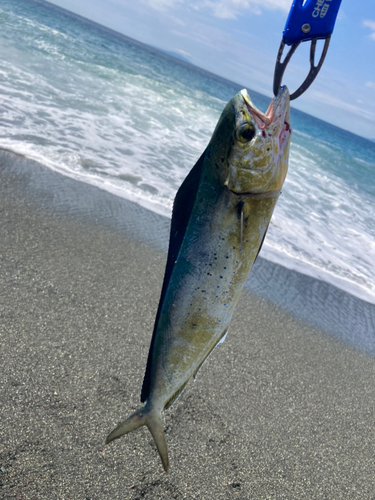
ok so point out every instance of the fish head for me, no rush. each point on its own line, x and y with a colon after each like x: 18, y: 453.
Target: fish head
x: 258, y: 151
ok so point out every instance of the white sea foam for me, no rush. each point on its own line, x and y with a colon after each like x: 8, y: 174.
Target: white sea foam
x: 134, y: 123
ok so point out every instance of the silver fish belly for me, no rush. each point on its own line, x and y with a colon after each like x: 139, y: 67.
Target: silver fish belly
x: 220, y: 218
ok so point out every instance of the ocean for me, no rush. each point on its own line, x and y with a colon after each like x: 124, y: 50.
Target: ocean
x: 109, y: 111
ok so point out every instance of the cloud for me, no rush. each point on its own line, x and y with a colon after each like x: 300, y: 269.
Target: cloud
x: 370, y: 85
x: 182, y: 53
x: 230, y: 9
x: 337, y: 102
x: 224, y: 9
x: 161, y: 5
x: 367, y: 23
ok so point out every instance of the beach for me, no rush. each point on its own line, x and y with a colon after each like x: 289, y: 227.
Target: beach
x: 283, y: 409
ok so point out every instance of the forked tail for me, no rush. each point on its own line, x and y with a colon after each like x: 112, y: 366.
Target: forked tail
x: 154, y: 422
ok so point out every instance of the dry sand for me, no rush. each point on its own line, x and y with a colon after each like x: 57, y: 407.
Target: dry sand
x: 281, y: 410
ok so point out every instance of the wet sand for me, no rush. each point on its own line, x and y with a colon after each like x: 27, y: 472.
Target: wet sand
x: 284, y: 409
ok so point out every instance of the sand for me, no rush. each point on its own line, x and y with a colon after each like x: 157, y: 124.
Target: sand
x: 284, y: 409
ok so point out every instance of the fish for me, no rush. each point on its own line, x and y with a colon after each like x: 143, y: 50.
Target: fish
x: 220, y: 218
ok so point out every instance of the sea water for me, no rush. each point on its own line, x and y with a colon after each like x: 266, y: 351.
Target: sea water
x: 106, y: 110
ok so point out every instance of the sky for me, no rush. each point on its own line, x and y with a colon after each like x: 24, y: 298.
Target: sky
x: 239, y: 40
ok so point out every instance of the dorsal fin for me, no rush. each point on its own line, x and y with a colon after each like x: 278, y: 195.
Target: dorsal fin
x: 182, y: 207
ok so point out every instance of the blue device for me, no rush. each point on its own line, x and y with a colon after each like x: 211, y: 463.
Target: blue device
x: 310, y: 19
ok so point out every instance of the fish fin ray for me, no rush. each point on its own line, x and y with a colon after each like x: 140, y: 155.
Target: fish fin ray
x: 132, y: 423
x: 182, y: 207
x: 155, y: 426
x: 221, y: 339
x: 260, y: 246
x: 154, y: 422
x: 173, y: 398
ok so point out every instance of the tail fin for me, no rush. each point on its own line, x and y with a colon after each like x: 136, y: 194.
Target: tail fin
x: 154, y: 422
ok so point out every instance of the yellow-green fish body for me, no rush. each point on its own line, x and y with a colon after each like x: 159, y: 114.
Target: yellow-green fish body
x: 220, y: 218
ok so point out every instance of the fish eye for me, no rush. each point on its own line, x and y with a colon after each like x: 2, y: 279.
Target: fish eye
x: 245, y: 133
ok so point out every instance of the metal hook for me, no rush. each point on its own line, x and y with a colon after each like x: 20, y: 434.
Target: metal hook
x: 314, y: 70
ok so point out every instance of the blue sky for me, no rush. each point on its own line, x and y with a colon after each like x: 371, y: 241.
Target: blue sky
x: 239, y: 40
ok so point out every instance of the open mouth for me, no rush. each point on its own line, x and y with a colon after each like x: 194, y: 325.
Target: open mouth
x: 263, y: 120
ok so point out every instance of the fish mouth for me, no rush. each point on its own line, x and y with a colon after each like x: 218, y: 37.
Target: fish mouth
x: 263, y: 120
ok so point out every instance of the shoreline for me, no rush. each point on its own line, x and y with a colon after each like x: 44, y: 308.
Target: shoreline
x: 317, y: 302
x: 280, y: 410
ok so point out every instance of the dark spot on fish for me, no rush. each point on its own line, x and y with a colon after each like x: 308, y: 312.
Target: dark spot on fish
x: 217, y: 166
x: 222, y: 160
x: 227, y: 257
x: 236, y: 261
x: 199, y: 309
x: 263, y: 133
x: 203, y: 291
x: 224, y: 304
x: 287, y: 127
x: 212, y: 303
x: 218, y: 286
x: 223, y: 239
x: 219, y: 321
x: 268, y: 149
x: 221, y: 277
x: 224, y: 267
x: 216, y: 296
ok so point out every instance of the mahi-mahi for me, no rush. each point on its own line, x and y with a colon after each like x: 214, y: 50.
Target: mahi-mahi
x: 221, y: 214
